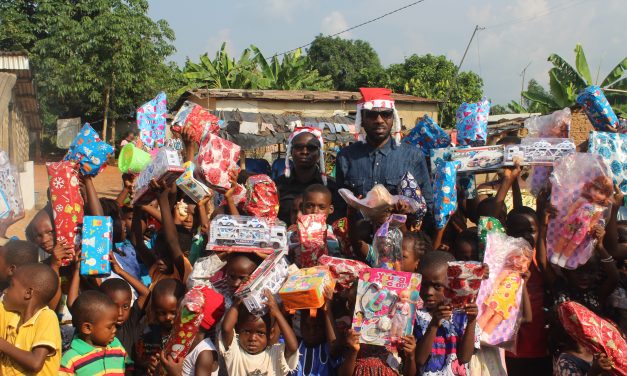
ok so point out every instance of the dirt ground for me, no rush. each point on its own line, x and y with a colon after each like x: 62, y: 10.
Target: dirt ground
x: 108, y: 184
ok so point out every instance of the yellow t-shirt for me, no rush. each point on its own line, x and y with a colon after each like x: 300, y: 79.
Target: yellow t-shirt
x: 40, y: 330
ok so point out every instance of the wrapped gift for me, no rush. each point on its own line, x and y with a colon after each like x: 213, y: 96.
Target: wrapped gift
x: 270, y: 274
x: 186, y: 324
x: 438, y: 156
x: 305, y: 289
x: 191, y: 186
x: 387, y: 243
x: 344, y: 271
x: 66, y: 201
x: 445, y: 192
x: 427, y: 135
x: 216, y: 157
x: 312, y: 235
x: 538, y: 151
x: 340, y: 230
x: 482, y: 158
x: 89, y: 151
x: 385, y: 308
x: 262, y: 197
x: 151, y: 122
x: 598, y: 109
x: 198, y: 119
x: 555, y: 125
x: 246, y: 234
x: 408, y: 187
x: 10, y: 192
x: 97, y: 243
x: 472, y: 123
x: 612, y: 147
x: 595, y: 334
x: 485, y: 226
x: 166, y: 166
x: 582, y: 192
x: 239, y: 197
x: 500, y: 296
x: 464, y: 280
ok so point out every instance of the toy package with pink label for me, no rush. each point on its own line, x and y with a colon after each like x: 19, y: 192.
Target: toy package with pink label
x: 385, y: 308
x: 500, y: 296
x: 582, y: 192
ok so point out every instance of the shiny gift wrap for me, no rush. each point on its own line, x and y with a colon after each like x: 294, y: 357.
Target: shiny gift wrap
x: 427, y: 135
x: 151, y: 121
x: 186, y: 324
x: 312, y: 234
x: 89, y: 151
x: 197, y: 119
x: 464, y: 280
x: 96, y: 246
x: 598, y: 109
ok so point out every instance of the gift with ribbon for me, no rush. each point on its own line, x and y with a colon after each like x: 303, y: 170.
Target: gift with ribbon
x: 464, y: 280
x: 66, y: 201
x: 445, y: 192
x: 216, y: 157
x: 10, y: 192
x: 151, y: 121
x: 196, y: 118
x: 262, y: 197
x: 96, y: 245
x: 345, y: 271
x: 598, y: 109
x: 305, y: 289
x: 472, y: 123
x: 427, y: 135
x: 166, y: 166
x: 89, y: 151
x: 312, y: 235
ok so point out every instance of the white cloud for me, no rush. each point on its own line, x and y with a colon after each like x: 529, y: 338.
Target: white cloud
x: 214, y: 43
x: 333, y: 23
x: 286, y: 10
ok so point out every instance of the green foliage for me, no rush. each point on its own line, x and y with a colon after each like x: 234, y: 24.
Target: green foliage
x: 351, y: 64
x: 432, y: 76
x: 294, y: 72
x: 84, y: 51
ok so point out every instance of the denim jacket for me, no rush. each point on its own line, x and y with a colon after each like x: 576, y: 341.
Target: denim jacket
x: 360, y: 167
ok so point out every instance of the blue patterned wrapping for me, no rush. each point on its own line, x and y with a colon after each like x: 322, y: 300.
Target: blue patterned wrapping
x: 440, y: 155
x: 612, y: 147
x: 468, y: 185
x: 427, y: 135
x: 89, y: 151
x: 597, y: 108
x: 472, y: 123
x: 151, y: 122
x: 445, y: 192
x: 408, y: 187
x: 96, y: 246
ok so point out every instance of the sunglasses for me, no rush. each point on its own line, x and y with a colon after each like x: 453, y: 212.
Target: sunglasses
x: 373, y: 115
x: 310, y: 148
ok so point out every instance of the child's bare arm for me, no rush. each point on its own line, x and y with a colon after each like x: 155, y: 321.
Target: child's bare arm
x: 350, y: 355
x: 93, y: 203
x: 527, y: 315
x: 231, y: 208
x: 425, y: 345
x: 167, y: 225
x: 228, y: 324
x: 510, y: 174
x: 127, y: 188
x: 291, y: 343
x: 409, y: 355
x: 329, y: 323
x: 75, y: 283
x: 610, y: 241
x: 31, y: 361
x: 466, y: 347
x: 608, y: 265
x: 545, y: 212
x: 142, y: 290
x: 205, y: 363
x: 145, y: 255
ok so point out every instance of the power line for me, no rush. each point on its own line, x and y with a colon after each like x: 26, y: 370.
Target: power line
x: 355, y: 27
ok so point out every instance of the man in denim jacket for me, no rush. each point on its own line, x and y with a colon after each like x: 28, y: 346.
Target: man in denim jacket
x: 381, y: 158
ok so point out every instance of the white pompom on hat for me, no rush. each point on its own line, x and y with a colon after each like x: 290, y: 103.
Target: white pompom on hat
x: 376, y: 97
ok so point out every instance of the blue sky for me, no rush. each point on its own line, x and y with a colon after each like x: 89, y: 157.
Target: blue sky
x: 518, y: 32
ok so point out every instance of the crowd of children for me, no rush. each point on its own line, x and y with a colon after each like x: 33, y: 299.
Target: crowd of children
x: 54, y: 320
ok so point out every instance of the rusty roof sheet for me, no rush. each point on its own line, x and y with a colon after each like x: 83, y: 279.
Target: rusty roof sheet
x: 17, y: 63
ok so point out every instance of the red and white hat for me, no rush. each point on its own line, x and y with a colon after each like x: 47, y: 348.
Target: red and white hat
x: 376, y: 97
x: 317, y: 133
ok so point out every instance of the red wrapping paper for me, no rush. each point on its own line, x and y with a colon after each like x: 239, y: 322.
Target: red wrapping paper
x: 66, y: 200
x: 340, y: 229
x: 464, y: 280
x: 199, y: 120
x: 262, y: 197
x: 312, y: 233
x: 186, y: 324
x: 344, y: 271
x: 216, y: 156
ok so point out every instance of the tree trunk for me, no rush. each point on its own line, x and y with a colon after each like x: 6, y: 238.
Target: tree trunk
x: 106, y: 112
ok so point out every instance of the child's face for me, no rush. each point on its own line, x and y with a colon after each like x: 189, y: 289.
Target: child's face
x: 165, y: 308
x: 434, y: 283
x: 583, y: 277
x: 238, y: 270
x: 524, y: 226
x: 253, y: 335
x: 463, y: 251
x: 16, y: 296
x: 410, y: 262
x: 317, y: 203
x: 312, y: 329
x: 44, y: 233
x: 5, y: 270
x: 103, y: 330
x: 122, y: 300
x: 127, y: 220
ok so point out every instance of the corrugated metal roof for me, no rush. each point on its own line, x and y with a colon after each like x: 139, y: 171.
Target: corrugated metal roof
x: 297, y: 95
x: 14, y: 61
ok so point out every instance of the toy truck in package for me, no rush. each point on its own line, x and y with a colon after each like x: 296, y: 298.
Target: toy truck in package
x: 246, y: 234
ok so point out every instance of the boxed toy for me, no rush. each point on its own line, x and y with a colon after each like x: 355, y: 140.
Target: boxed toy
x: 427, y: 135
x: 270, y: 274
x: 191, y: 186
x: 464, y: 280
x: 151, y: 122
x: 246, y: 234
x: 66, y: 201
x: 483, y: 158
x: 445, y: 192
x: 166, y: 165
x: 305, y: 289
x: 385, y: 308
x: 97, y: 243
x: 89, y: 151
x: 216, y: 157
x: 10, y: 192
x: 472, y: 123
x: 312, y: 235
x: 538, y: 151
x: 198, y: 119
x: 186, y: 324
x: 598, y: 109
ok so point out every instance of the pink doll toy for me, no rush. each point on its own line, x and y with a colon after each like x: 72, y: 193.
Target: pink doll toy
x: 400, y: 316
x: 582, y: 216
x: 502, y: 300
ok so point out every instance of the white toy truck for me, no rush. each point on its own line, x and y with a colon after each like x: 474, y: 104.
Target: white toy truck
x: 246, y: 234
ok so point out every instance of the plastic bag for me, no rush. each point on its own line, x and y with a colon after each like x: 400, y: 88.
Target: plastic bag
x: 555, y: 125
x: 10, y: 192
x: 151, y: 121
x: 582, y: 192
x: 612, y: 147
x: 427, y: 135
x: 377, y: 201
x: 472, y: 123
x: 500, y: 296
x: 388, y: 242
x: 598, y: 109
x: 445, y: 192
x: 89, y: 151
x: 464, y: 280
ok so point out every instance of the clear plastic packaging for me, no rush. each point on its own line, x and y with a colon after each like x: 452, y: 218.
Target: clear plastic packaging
x: 10, y: 193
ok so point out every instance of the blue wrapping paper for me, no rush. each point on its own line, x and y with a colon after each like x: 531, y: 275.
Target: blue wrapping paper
x: 427, y: 135
x: 612, y: 147
x: 472, y: 123
x: 89, y: 151
x: 96, y: 246
x: 151, y: 122
x: 597, y: 108
x: 408, y: 187
x: 445, y: 192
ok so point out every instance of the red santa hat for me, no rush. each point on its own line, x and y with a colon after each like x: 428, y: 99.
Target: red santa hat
x: 376, y: 97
